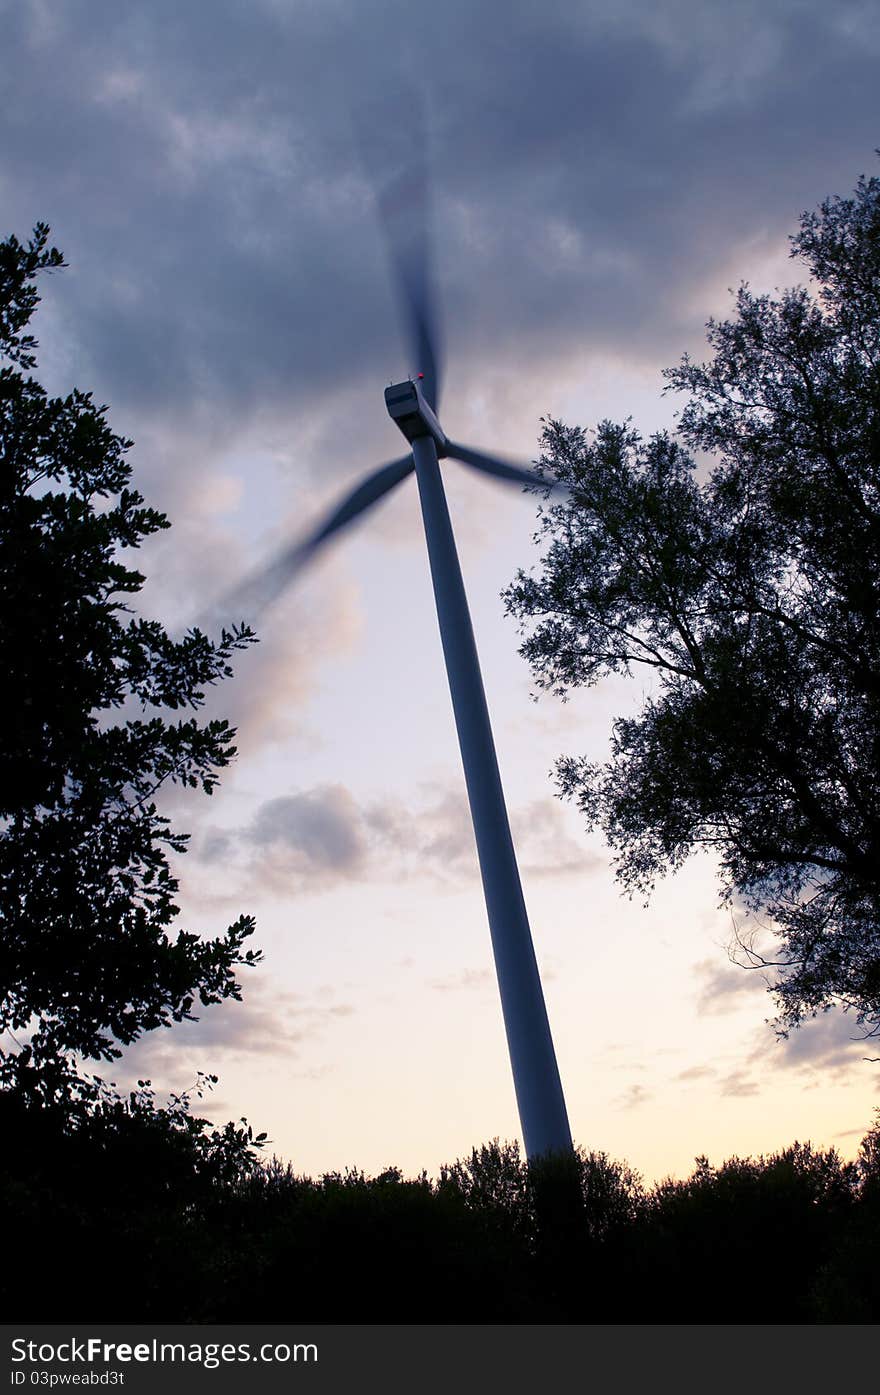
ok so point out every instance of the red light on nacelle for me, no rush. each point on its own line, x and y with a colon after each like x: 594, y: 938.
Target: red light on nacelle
x: 420, y: 375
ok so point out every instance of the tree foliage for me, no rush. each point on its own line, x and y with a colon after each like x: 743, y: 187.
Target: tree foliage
x: 750, y: 588
x: 87, y: 962
x: 204, y: 1231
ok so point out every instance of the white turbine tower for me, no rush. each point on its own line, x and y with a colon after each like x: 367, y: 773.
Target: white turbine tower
x: 412, y: 406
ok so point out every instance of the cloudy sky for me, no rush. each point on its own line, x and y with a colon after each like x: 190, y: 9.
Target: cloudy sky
x: 602, y: 173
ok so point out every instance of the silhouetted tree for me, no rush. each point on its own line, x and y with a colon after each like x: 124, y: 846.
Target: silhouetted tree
x: 205, y: 1232
x: 112, y: 1185
x: 751, y: 591
x: 847, y: 1288
x: 703, y: 1247
x: 86, y: 893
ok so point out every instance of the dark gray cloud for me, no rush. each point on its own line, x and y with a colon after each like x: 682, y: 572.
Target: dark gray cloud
x: 739, y: 1085
x: 852, y: 1133
x: 539, y: 828
x: 324, y: 836
x: 634, y: 1097
x: 466, y: 979
x: 726, y: 987
x: 210, y: 172
x: 828, y: 1047
x: 831, y: 1043
x: 320, y: 825
x: 592, y: 168
x: 437, y: 837
x: 695, y: 1073
x: 265, y: 1023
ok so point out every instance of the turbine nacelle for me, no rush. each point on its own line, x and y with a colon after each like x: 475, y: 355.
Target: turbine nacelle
x: 408, y: 409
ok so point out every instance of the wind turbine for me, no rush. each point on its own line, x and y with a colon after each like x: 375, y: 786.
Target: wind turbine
x: 413, y: 406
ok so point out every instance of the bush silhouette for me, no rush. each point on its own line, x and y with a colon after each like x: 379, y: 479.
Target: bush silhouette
x: 705, y: 1249
x: 150, y: 1214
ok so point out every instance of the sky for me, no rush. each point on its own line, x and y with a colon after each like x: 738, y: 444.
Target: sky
x: 602, y: 174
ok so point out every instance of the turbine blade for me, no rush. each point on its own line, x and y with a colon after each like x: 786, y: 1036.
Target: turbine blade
x: 263, y: 587
x: 403, y: 207
x: 374, y: 487
x: 501, y: 469
x: 392, y: 138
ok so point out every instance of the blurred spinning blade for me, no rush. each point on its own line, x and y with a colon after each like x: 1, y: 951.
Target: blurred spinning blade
x: 500, y: 469
x: 394, y: 160
x: 260, y: 590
